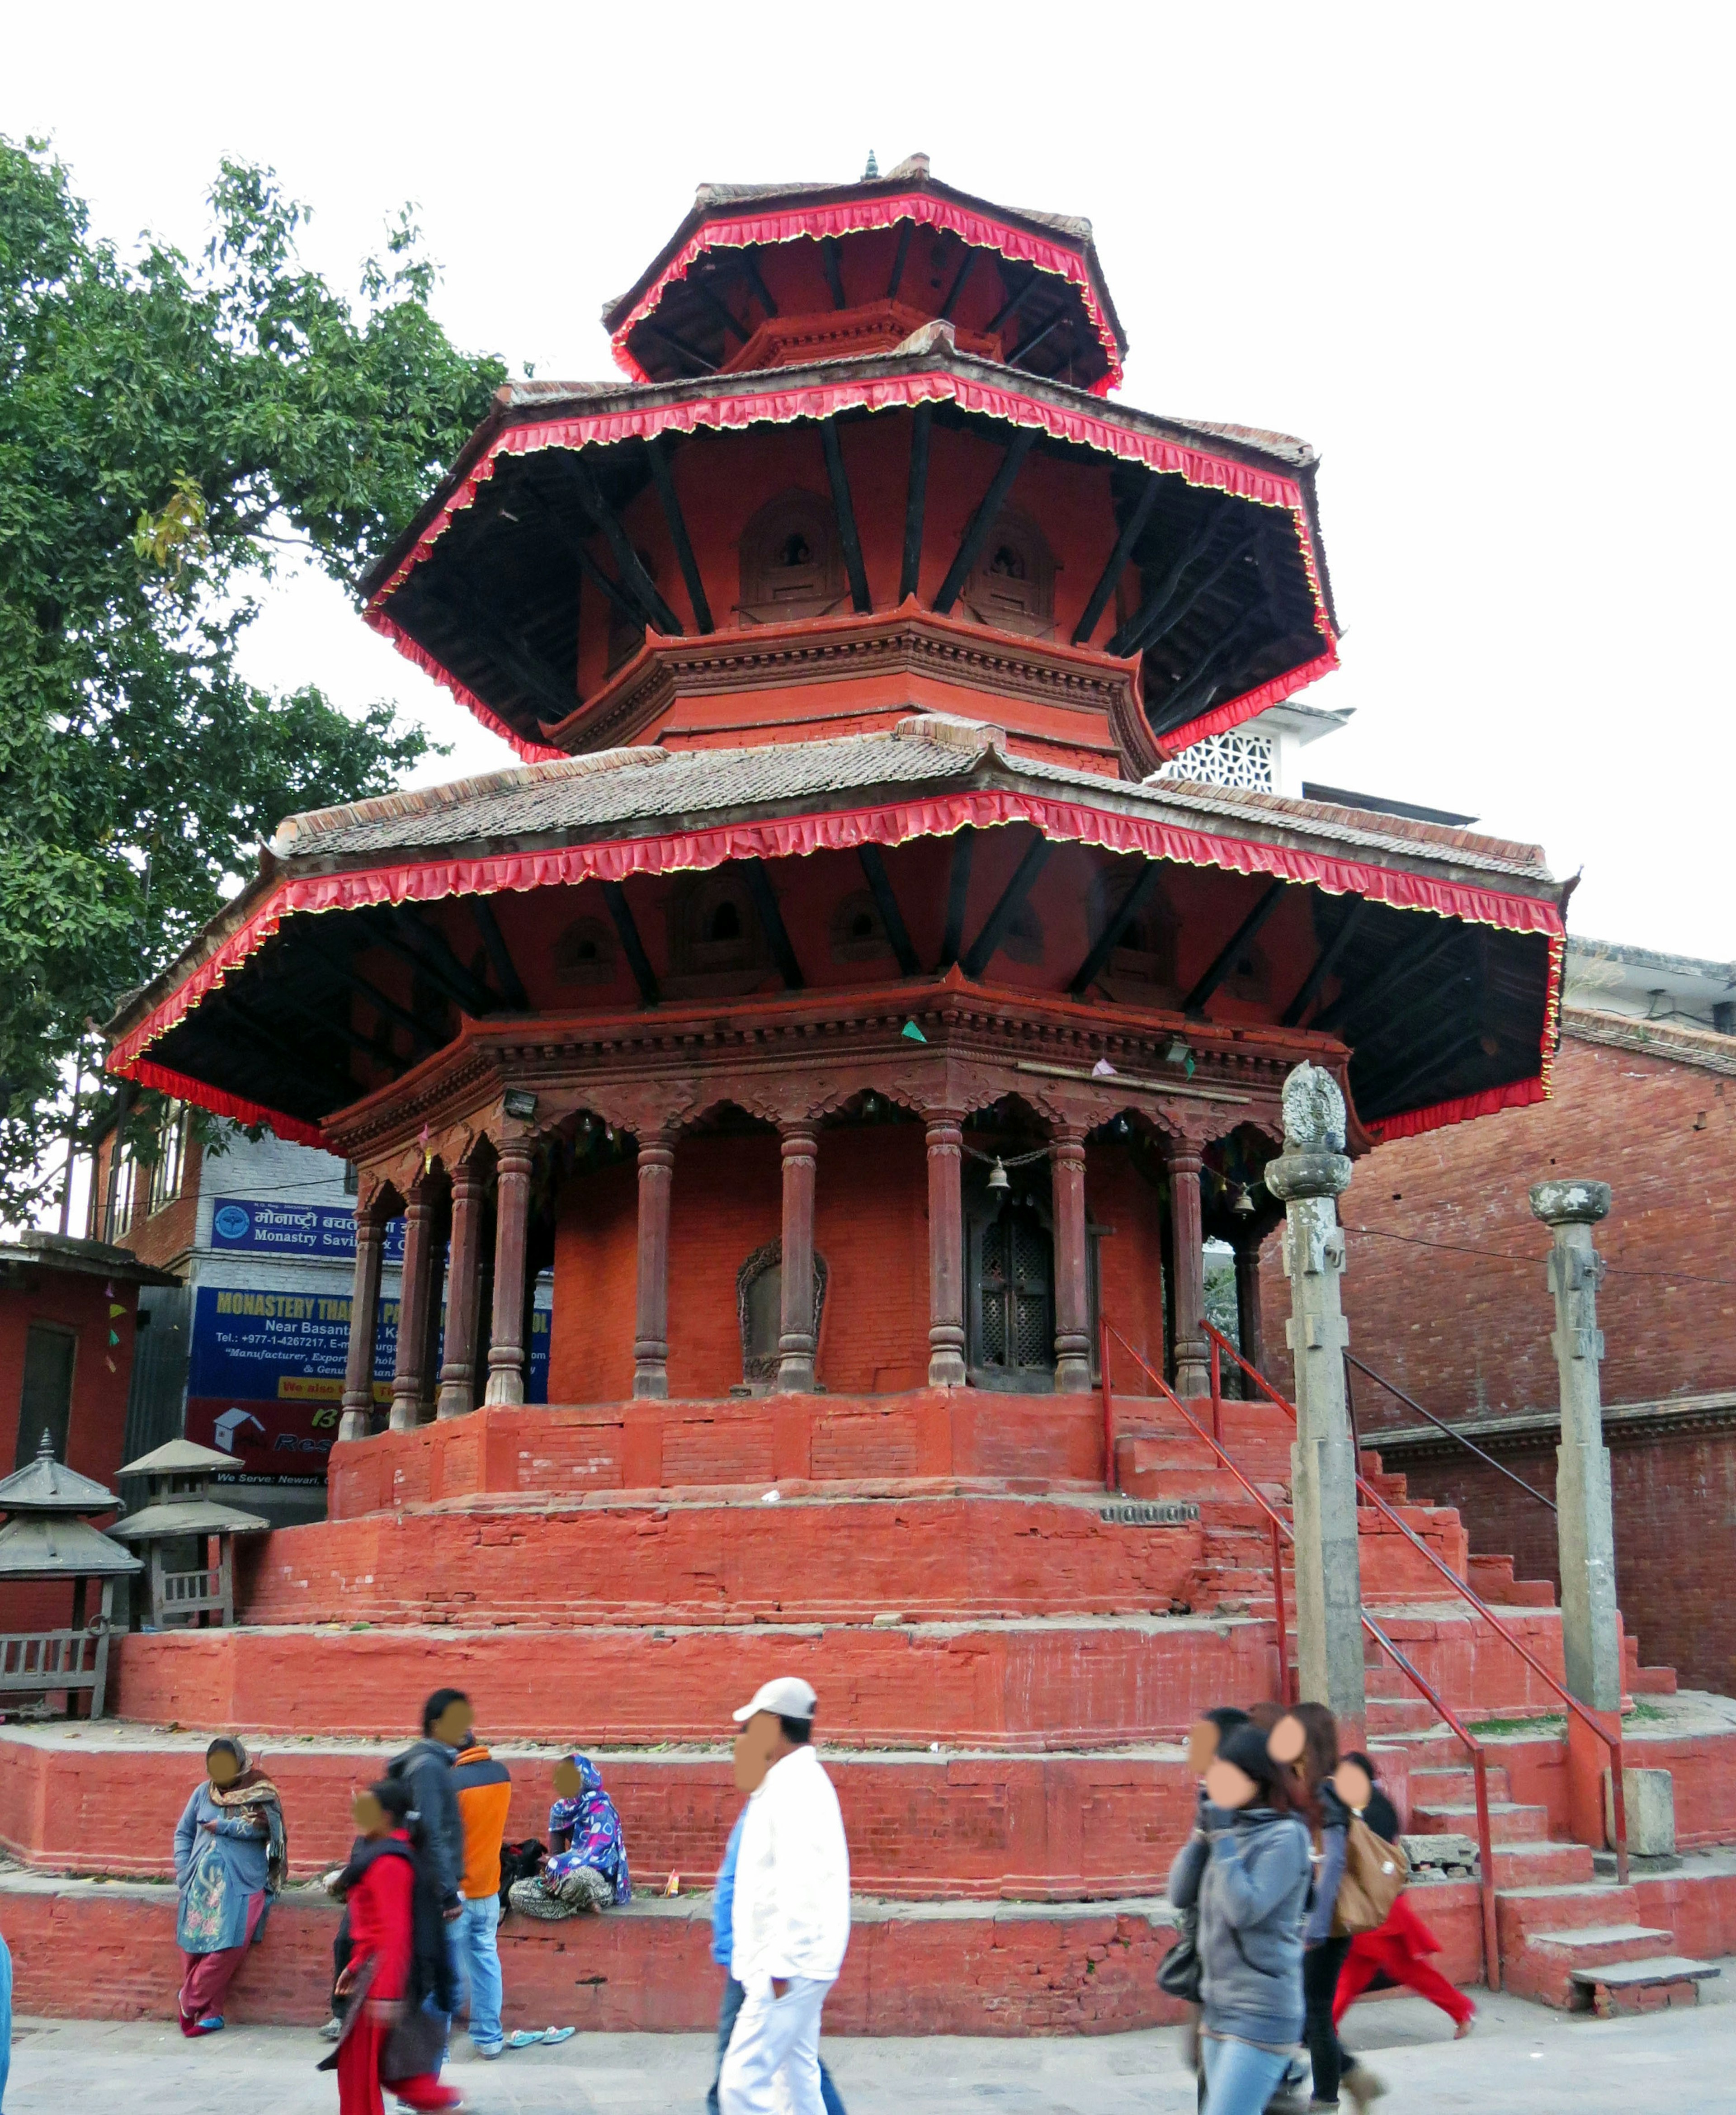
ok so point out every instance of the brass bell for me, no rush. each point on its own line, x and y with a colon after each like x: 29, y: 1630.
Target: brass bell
x: 997, y: 1176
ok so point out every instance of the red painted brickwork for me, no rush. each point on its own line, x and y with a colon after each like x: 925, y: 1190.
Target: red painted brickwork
x: 1468, y: 1335
x: 1675, y: 1517
x: 1037, y: 1686
x: 1017, y: 1969
x: 920, y: 1827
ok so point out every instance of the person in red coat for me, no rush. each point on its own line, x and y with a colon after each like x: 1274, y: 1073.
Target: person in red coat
x: 1399, y: 1949
x: 383, y: 2035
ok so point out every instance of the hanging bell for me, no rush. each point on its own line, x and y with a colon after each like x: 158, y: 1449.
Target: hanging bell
x: 1242, y: 1205
x: 997, y: 1177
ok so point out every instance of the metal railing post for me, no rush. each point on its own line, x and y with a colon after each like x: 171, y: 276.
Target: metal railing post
x: 1485, y: 1864
x: 1111, y: 1480
x: 1217, y: 1392
x: 1286, y: 1685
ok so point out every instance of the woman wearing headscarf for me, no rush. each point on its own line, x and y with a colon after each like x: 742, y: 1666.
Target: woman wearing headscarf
x: 586, y: 1868
x: 230, y: 1857
x: 1245, y: 1872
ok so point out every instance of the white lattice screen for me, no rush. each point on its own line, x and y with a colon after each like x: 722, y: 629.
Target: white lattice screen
x: 1228, y: 759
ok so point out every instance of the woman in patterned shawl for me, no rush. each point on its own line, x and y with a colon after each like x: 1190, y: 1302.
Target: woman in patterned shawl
x: 586, y: 1868
x: 230, y: 1857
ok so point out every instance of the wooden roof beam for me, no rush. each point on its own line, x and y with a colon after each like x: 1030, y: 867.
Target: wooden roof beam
x: 526, y: 495
x: 377, y: 1053
x: 1110, y: 938
x: 777, y: 933
x: 1197, y: 686
x: 422, y: 1034
x: 834, y: 270
x: 661, y: 478
x: 435, y: 955
x: 1166, y: 622
x: 1325, y: 962
x: 904, y: 233
x: 526, y: 669
x: 1392, y: 1091
x: 1225, y: 959
x: 885, y: 903
x: 983, y: 949
x: 958, y: 894
x: 638, y: 582
x: 631, y: 946
x: 1110, y: 578
x: 958, y: 285
x: 916, y: 502
x: 849, y: 542
x: 1409, y: 962
x: 1130, y: 636
x: 982, y: 521
x: 301, y: 1068
x: 488, y: 926
x: 680, y: 346
x: 1021, y: 352
x: 1015, y: 301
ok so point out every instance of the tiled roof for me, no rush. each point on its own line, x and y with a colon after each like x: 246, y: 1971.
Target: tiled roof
x: 623, y: 788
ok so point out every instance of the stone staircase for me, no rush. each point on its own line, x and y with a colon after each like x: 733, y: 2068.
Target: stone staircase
x: 1007, y: 1655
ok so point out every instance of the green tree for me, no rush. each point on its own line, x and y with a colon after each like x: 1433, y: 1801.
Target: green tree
x: 169, y: 431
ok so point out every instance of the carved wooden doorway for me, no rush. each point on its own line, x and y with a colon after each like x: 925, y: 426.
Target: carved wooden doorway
x: 1012, y: 1328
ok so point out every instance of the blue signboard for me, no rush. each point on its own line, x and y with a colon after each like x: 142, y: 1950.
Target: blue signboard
x: 324, y: 1232
x: 265, y: 1382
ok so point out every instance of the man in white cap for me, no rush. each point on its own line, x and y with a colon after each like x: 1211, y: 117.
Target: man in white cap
x: 790, y: 1921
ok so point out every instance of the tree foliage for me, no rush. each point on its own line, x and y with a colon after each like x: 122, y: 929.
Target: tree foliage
x: 169, y: 430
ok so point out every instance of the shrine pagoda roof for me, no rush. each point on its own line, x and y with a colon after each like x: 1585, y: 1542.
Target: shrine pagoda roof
x: 675, y: 317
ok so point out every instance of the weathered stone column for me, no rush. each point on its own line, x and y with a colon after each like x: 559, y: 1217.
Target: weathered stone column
x: 364, y: 1318
x: 1072, y: 1292
x: 1585, y: 1523
x: 1311, y: 1173
x: 457, y: 1393
x: 796, y: 1344
x: 511, y: 1243
x: 945, y: 1249
x: 1181, y: 1157
x: 416, y: 1299
x: 651, y: 1345
x: 1250, y: 1332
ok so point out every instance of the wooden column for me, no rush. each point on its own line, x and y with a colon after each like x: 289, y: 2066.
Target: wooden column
x: 945, y: 1250
x: 1072, y: 1298
x: 357, y: 1420
x: 1192, y: 1373
x: 457, y: 1395
x: 512, y: 1242
x: 1249, y: 1330
x: 651, y: 1345
x: 416, y: 1297
x: 796, y: 1344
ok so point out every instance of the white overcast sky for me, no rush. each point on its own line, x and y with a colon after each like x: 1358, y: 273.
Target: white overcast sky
x: 1479, y: 256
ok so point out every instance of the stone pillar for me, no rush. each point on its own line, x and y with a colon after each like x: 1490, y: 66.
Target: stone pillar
x: 416, y: 1299
x: 1249, y: 1332
x: 1309, y: 1175
x: 457, y: 1393
x: 796, y: 1343
x: 1585, y: 1524
x: 511, y: 1242
x: 1072, y: 1291
x: 945, y: 1249
x: 1181, y: 1157
x: 365, y: 1317
x: 651, y: 1345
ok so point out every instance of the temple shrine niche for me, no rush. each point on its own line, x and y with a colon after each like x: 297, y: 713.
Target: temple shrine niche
x: 848, y: 993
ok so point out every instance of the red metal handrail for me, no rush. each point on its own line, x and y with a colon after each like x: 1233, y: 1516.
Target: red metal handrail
x: 1611, y: 1740
x: 1286, y: 1689
x: 1440, y: 1424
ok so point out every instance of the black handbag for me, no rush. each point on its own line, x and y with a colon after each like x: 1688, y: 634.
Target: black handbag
x: 1178, y: 1973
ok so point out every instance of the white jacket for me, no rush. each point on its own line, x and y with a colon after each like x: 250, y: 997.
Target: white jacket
x: 792, y: 1877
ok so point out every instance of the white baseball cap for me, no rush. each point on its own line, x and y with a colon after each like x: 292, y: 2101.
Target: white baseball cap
x: 789, y: 1696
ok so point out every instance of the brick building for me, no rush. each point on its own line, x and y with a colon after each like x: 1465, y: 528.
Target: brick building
x: 1446, y: 1294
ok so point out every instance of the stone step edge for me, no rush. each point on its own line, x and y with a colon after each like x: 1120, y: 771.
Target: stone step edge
x: 134, y: 1739
x: 1642, y: 1974
x: 685, y: 1907
x: 1596, y: 1934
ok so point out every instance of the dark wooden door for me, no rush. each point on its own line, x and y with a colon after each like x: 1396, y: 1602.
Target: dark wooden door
x: 1012, y: 1301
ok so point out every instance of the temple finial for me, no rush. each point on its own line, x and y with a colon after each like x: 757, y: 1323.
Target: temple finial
x: 873, y: 170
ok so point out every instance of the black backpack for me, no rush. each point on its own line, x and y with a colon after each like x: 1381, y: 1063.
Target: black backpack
x: 519, y: 1861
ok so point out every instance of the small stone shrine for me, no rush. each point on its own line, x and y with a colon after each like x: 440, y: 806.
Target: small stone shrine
x: 182, y: 1510
x: 47, y: 1539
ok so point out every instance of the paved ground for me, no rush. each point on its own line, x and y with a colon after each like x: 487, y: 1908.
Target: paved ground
x: 1522, y: 2060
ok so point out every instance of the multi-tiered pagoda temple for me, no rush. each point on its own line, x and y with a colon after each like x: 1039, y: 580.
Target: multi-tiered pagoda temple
x: 871, y: 979
x: 846, y: 991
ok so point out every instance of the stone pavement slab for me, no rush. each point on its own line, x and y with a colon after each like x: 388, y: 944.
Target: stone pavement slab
x: 1522, y: 2060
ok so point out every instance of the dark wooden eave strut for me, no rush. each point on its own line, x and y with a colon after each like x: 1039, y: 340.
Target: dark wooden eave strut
x: 631, y: 946
x: 848, y: 540
x: 765, y: 903
x: 677, y: 525
x: 1110, y: 938
x: 1226, y: 960
x: 885, y: 903
x: 916, y: 502
x: 982, y: 521
x: 983, y: 950
x: 637, y: 581
x: 957, y: 895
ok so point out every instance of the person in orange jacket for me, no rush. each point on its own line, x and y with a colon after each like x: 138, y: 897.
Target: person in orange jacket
x: 484, y: 1791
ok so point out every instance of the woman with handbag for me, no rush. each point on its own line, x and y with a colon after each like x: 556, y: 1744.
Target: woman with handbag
x: 230, y: 1858
x: 1244, y: 1871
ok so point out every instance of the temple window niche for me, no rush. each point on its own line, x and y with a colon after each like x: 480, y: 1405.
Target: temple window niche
x: 1012, y: 584
x: 789, y: 561
x: 759, y: 1297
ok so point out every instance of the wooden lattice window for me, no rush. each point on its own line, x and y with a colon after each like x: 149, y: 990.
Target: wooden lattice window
x: 789, y: 561
x: 1012, y: 1300
x: 584, y: 954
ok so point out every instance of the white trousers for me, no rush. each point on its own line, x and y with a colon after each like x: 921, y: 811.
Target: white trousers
x: 773, y: 2063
